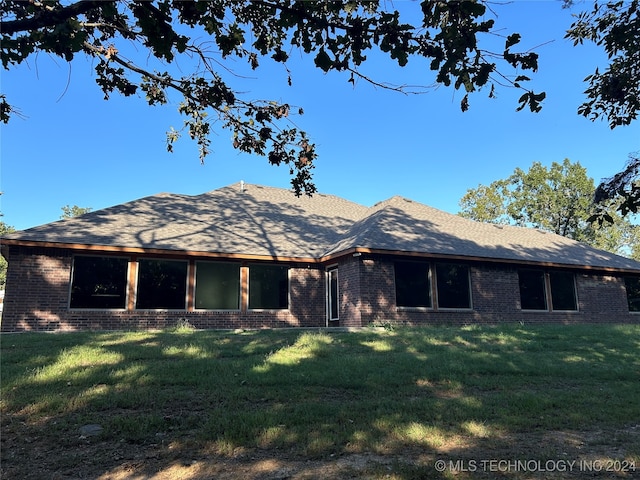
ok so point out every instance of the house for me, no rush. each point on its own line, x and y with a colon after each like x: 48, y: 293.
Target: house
x: 250, y: 256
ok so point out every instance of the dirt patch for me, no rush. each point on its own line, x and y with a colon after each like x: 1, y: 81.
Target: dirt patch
x: 29, y: 453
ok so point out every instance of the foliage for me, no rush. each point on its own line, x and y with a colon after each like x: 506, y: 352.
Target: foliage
x: 557, y: 199
x: 338, y: 35
x: 4, y: 229
x: 614, y: 94
x: 624, y: 185
x: 69, y: 211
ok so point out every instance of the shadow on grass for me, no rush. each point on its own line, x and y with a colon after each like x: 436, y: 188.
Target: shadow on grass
x: 271, y: 404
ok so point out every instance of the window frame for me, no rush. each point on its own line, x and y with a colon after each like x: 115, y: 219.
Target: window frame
x: 251, y: 268
x: 548, y: 290
x: 545, y: 297
x: 432, y: 286
x: 429, y: 285
x: 468, y: 282
x: 573, y: 287
x: 627, y: 279
x: 126, y: 282
x: 137, y: 289
x: 333, y: 300
x: 195, y: 286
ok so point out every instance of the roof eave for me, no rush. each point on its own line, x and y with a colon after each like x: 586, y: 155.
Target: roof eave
x: 156, y: 251
x: 468, y: 258
x: 312, y: 260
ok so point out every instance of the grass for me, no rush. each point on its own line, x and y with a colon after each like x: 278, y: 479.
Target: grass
x: 317, y: 394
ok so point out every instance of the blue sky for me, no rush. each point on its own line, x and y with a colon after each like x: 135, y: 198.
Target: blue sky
x: 73, y: 148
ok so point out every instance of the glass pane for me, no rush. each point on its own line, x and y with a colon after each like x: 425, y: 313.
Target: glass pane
x: 633, y: 293
x: 268, y: 287
x: 453, y: 285
x: 217, y: 286
x: 99, y: 282
x: 563, y: 291
x: 333, y: 294
x: 413, y: 288
x: 162, y: 284
x: 532, y: 291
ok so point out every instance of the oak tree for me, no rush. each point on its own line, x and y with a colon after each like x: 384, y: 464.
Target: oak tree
x: 558, y: 199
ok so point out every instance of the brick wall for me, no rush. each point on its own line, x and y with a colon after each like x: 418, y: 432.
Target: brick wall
x: 38, y: 285
x: 37, y: 298
x: 495, y: 299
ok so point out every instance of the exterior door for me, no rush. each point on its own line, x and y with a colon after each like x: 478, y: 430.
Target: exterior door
x: 333, y: 299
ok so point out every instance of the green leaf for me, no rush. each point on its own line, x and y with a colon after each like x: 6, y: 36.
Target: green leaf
x: 323, y: 61
x: 512, y: 40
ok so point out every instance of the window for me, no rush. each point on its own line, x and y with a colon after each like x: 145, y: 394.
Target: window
x: 99, y: 282
x: 632, y: 285
x: 539, y: 289
x: 268, y: 287
x: 334, y: 302
x: 532, y: 290
x: 413, y: 287
x: 453, y: 285
x: 217, y: 286
x: 563, y: 291
x: 162, y: 284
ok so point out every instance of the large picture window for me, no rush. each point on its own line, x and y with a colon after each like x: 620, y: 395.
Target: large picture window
x: 453, y: 285
x: 99, y: 282
x: 268, y: 287
x: 413, y: 287
x: 162, y: 284
x: 540, y: 290
x: 632, y: 285
x: 217, y: 286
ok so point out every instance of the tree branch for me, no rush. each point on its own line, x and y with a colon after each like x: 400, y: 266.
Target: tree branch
x: 48, y: 18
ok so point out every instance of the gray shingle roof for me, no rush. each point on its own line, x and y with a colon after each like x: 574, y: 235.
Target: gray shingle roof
x: 259, y: 221
x: 273, y: 222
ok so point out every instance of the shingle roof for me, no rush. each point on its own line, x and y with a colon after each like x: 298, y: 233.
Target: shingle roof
x: 257, y: 221
x: 272, y: 222
x: 403, y: 225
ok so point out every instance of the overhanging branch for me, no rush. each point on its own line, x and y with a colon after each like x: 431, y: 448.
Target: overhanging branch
x: 48, y: 18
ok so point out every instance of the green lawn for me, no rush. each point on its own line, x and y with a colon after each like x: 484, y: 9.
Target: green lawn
x: 408, y: 395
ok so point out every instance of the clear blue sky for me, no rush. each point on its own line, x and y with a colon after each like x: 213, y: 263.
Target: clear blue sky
x: 73, y: 148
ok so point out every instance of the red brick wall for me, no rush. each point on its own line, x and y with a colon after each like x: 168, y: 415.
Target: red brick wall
x: 38, y: 284
x: 495, y: 299
x: 37, y: 296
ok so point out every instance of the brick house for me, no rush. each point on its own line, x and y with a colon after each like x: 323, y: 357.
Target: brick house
x: 249, y: 256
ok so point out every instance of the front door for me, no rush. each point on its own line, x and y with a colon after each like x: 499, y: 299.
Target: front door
x: 333, y: 301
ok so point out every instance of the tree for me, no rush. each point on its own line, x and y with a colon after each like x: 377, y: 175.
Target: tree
x: 557, y: 199
x: 338, y: 35
x: 73, y: 211
x: 614, y: 94
x: 625, y: 186
x: 4, y: 229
